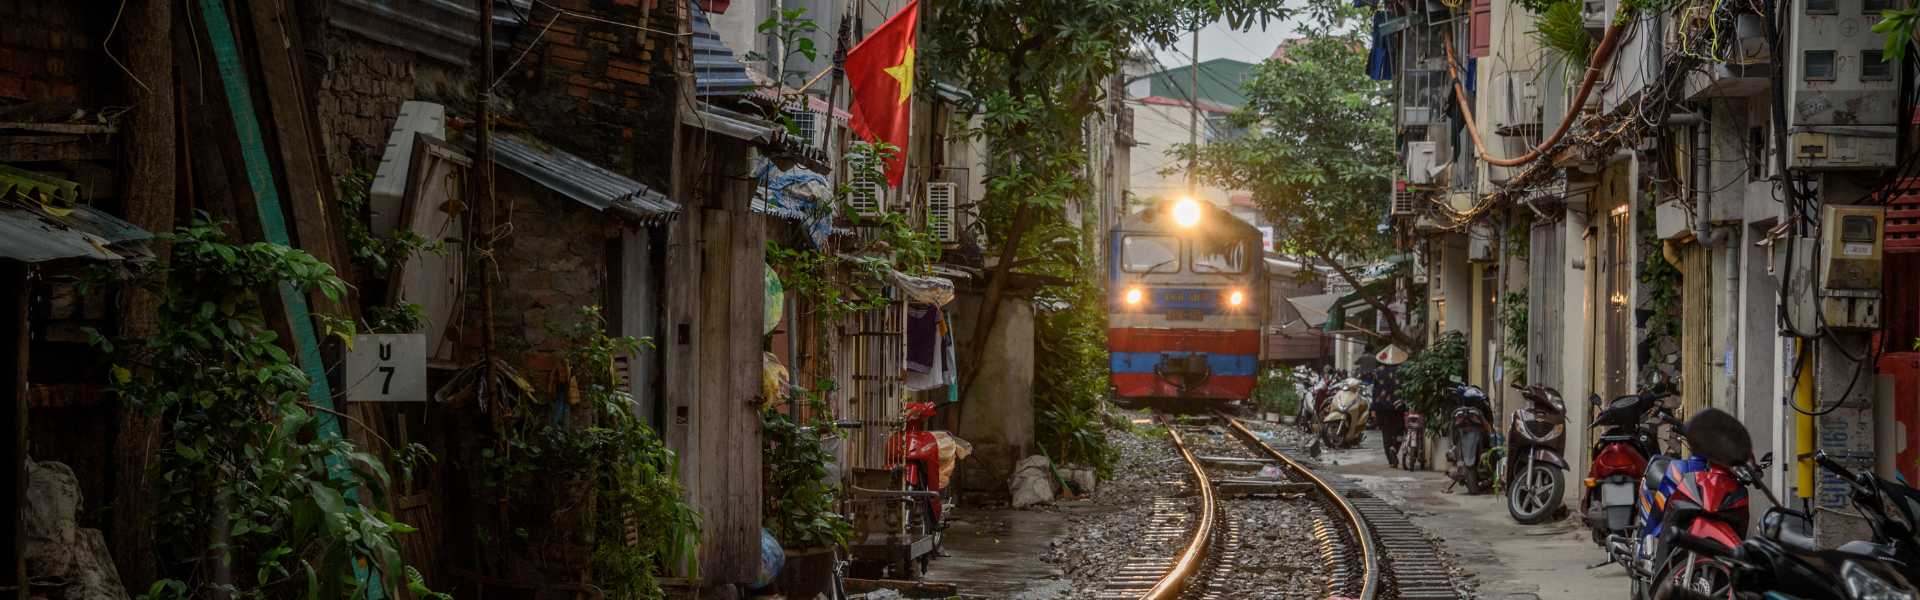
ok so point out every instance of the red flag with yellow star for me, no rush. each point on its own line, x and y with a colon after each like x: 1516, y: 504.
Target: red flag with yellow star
x: 880, y: 69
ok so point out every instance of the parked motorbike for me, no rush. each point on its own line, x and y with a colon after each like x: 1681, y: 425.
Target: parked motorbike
x: 1345, y: 421
x: 1413, y: 443
x: 1471, y: 432
x: 1319, y: 394
x: 1701, y: 496
x: 917, y: 451
x: 1627, y: 437
x: 1782, y: 561
x: 1536, y: 439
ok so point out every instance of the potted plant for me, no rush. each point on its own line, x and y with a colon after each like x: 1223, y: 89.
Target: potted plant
x: 799, y: 493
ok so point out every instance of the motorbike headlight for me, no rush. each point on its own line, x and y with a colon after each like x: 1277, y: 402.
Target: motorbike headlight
x: 1863, y: 584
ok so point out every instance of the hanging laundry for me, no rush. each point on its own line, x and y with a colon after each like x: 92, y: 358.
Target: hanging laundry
x: 923, y: 337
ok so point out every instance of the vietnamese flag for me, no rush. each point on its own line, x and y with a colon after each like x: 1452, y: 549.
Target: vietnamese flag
x: 880, y: 69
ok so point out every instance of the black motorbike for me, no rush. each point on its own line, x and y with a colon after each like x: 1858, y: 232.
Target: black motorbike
x: 1471, y: 432
x: 1536, y: 438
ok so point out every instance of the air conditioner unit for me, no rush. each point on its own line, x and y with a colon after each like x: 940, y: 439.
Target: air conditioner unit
x: 1411, y: 116
x: 942, y: 204
x: 1420, y: 162
x: 1401, y: 204
x: 867, y: 190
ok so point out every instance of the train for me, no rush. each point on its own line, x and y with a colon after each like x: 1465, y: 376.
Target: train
x: 1187, y: 304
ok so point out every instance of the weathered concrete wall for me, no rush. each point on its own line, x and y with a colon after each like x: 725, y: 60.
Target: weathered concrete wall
x: 996, y: 415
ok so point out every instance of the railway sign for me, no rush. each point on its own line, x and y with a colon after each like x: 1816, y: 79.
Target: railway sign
x: 387, y: 368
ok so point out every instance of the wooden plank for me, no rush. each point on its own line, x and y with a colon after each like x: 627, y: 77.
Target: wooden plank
x: 48, y: 148
x: 291, y: 125
x: 66, y: 128
x: 13, y: 363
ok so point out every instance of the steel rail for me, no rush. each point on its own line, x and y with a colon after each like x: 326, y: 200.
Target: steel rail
x: 1174, y: 583
x: 1369, y: 555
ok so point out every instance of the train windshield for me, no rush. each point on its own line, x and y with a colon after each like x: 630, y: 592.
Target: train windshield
x: 1219, y: 255
x: 1150, y: 253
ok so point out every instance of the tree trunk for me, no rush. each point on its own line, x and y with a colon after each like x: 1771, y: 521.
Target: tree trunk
x: 996, y: 289
x: 149, y: 193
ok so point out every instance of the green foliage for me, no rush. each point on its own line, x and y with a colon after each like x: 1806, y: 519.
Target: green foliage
x: 381, y: 253
x: 1897, y: 24
x: 1070, y: 380
x: 1661, y: 282
x: 642, y: 525
x: 794, y: 30
x: 1427, y: 378
x: 1275, y: 393
x: 249, y: 476
x: 1513, y: 319
x: 798, y: 487
x: 1562, y: 30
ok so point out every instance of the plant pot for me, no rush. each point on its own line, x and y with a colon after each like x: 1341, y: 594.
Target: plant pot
x: 808, y: 572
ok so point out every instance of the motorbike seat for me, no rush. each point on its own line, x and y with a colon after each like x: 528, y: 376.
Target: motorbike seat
x: 1656, y: 472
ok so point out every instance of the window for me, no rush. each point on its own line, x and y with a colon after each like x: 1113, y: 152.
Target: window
x: 1150, y: 254
x: 1219, y: 255
x: 1874, y: 67
x: 1817, y: 65
x: 1874, y: 7
x: 1821, y: 7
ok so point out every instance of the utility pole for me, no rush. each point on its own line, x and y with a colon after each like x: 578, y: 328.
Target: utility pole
x: 484, y: 170
x: 1193, y: 109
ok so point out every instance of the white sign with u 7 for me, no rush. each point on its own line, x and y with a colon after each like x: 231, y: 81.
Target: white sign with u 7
x: 387, y: 368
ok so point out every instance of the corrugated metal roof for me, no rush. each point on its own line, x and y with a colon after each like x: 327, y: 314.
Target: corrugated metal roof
x: 581, y: 180
x: 716, y: 71
x: 733, y: 124
x: 438, y: 29
x: 28, y: 234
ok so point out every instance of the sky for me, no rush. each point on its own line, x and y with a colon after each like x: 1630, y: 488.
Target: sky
x: 1221, y: 41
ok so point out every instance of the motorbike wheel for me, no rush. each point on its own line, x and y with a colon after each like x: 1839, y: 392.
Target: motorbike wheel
x: 1334, y: 434
x: 1699, y: 576
x: 1533, y: 497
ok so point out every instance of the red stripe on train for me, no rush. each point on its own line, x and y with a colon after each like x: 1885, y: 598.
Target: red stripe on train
x: 1148, y: 385
x: 1236, y: 341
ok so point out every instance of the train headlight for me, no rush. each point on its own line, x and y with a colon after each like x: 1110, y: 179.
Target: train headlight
x: 1133, y: 296
x: 1186, y: 212
x: 1237, y: 298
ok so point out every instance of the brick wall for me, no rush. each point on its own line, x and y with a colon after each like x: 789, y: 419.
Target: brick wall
x: 553, y: 263
x: 597, y: 89
x: 50, y: 54
x: 362, y: 89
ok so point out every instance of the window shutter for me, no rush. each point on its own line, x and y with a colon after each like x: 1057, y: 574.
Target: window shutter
x: 1481, y: 35
x: 941, y: 200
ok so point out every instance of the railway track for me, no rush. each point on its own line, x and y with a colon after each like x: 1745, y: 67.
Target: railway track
x: 1369, y: 549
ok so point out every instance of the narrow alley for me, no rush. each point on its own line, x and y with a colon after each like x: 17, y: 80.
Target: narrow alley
x: 983, y: 299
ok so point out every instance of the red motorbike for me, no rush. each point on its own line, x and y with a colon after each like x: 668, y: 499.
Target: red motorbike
x: 1620, y: 454
x: 916, y: 451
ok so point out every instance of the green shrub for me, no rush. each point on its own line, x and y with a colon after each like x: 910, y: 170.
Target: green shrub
x: 1427, y: 379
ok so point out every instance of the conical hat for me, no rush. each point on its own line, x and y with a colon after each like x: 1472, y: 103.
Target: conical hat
x: 1391, y: 355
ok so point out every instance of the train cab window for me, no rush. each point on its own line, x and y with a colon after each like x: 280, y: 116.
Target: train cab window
x: 1150, y: 254
x: 1219, y: 255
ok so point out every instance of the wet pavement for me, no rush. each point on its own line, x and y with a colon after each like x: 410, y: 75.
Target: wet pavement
x: 996, y: 553
x: 1508, y: 561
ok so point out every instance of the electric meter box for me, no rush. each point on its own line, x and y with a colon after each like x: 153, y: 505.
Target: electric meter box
x: 1850, y: 255
x: 1841, y: 87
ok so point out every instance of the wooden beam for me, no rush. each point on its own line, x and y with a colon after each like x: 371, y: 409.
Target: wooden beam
x: 728, y: 422
x: 49, y: 148
x: 13, y: 379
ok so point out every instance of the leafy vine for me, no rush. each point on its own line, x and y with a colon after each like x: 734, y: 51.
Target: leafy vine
x: 255, y: 500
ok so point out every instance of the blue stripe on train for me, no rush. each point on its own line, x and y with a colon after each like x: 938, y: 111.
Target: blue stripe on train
x: 1222, y: 364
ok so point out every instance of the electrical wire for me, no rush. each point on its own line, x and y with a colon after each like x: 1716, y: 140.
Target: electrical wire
x: 1609, y: 43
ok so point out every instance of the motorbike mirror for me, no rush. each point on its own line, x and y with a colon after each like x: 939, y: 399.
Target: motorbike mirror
x: 1594, y: 400
x: 1766, y: 461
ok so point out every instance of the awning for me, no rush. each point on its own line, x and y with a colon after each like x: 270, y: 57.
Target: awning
x: 583, y: 181
x: 732, y: 123
x: 1314, y: 309
x: 716, y: 71
x: 40, y: 221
